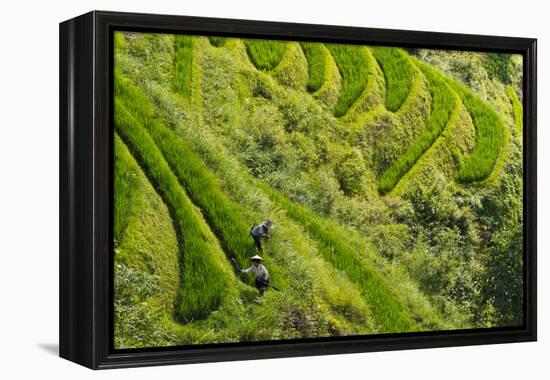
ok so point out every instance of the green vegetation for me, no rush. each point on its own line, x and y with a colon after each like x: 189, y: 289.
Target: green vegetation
x: 500, y: 65
x: 183, y: 65
x: 196, y: 297
x: 316, y: 62
x: 352, y: 63
x: 333, y: 243
x: 517, y: 108
x: 375, y: 232
x: 398, y: 71
x: 265, y: 54
x: 490, y: 137
x: 217, y: 41
x: 444, y: 103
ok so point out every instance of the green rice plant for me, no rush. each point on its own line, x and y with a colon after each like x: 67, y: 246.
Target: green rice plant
x: 225, y: 217
x: 388, y: 311
x: 352, y: 63
x: 444, y: 102
x: 398, y: 72
x: 316, y: 62
x: 490, y: 136
x: 217, y: 41
x: 265, y: 54
x: 203, y: 281
x: 517, y: 108
x: 183, y: 65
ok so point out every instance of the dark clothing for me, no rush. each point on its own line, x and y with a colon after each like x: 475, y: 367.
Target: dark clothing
x: 257, y: 231
x: 258, y: 242
x: 262, y: 285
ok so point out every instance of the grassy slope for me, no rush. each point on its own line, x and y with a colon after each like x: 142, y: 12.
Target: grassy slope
x: 316, y: 63
x: 310, y: 242
x: 444, y: 104
x: 265, y: 54
x: 491, y: 137
x: 517, y: 109
x: 146, y: 257
x: 398, y: 72
x: 353, y: 66
x: 199, y: 258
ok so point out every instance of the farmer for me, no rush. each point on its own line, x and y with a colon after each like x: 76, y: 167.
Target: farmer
x: 259, y: 231
x: 262, y: 275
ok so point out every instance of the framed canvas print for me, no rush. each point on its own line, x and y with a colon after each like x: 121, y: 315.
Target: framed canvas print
x: 235, y: 189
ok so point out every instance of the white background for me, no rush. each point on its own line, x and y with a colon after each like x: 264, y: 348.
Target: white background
x: 29, y: 187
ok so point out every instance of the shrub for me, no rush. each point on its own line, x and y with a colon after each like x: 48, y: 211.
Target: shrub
x: 316, y: 62
x: 265, y: 54
x: 398, y: 71
x: 500, y: 66
x: 352, y: 63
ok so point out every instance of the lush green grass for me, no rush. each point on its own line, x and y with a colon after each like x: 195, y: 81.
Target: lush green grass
x: 265, y: 54
x: 444, y: 102
x: 517, y: 108
x: 316, y: 62
x: 225, y: 217
x: 197, y: 296
x: 183, y: 65
x: 398, y: 72
x: 217, y: 41
x: 334, y: 244
x: 490, y: 136
x: 353, y: 66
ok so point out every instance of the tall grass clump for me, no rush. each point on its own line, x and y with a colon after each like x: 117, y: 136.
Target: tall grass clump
x: 490, y: 136
x: 265, y: 54
x: 388, y: 311
x: 444, y: 102
x: 316, y: 62
x: 352, y: 63
x: 517, y: 108
x: 398, y: 71
x: 183, y: 65
x: 203, y: 281
x: 223, y: 215
x: 217, y: 41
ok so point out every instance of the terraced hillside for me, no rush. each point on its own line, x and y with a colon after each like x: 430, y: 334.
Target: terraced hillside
x: 395, y: 189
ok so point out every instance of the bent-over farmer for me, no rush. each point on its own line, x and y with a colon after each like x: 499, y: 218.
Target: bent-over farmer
x: 262, y: 275
x: 260, y: 231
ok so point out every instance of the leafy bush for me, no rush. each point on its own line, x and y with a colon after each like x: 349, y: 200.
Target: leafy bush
x: 265, y: 54
x: 316, y: 62
x: 398, y: 71
x: 500, y: 66
x: 353, y: 66
x: 444, y: 103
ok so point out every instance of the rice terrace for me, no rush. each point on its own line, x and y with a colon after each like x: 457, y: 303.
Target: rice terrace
x: 391, y: 180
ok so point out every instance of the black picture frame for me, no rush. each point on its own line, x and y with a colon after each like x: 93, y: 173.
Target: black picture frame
x: 85, y: 259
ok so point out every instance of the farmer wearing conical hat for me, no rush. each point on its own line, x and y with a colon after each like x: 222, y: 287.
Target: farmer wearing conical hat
x: 260, y: 231
x: 262, y: 275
